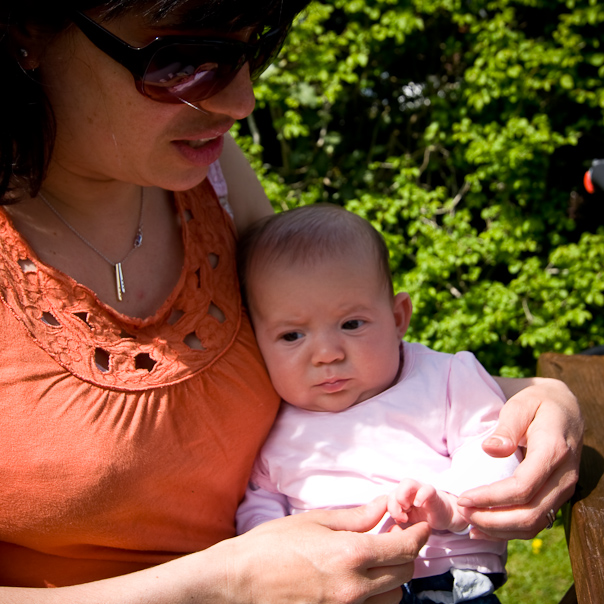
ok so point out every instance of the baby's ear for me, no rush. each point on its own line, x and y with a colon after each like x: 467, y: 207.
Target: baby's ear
x: 402, y: 310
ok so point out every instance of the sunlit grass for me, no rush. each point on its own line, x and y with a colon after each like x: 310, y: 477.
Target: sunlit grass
x: 539, y: 569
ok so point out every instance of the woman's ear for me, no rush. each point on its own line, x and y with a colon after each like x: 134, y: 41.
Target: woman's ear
x: 27, y: 43
x: 402, y: 310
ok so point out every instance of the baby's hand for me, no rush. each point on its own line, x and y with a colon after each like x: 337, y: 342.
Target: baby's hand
x: 414, y: 501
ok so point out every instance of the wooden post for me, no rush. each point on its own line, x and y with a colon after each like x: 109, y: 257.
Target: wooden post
x: 584, y: 375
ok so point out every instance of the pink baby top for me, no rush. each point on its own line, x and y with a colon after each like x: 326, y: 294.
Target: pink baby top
x: 429, y: 426
x: 124, y: 442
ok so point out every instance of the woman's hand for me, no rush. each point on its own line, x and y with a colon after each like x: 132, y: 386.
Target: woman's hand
x: 546, y: 419
x: 320, y: 557
x: 323, y: 556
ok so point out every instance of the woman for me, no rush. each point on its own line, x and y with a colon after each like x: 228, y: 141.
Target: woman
x: 134, y: 399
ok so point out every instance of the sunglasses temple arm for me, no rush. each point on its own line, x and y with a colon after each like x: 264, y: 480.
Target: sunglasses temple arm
x: 191, y: 105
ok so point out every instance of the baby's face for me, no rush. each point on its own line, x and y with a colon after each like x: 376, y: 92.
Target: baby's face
x: 329, y: 333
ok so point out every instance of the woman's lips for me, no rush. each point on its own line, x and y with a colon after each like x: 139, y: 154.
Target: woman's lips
x: 200, y: 152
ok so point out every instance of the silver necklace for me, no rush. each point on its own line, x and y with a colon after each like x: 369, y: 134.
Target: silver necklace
x: 120, y: 286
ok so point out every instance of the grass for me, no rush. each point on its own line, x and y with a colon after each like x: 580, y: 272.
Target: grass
x: 538, y: 570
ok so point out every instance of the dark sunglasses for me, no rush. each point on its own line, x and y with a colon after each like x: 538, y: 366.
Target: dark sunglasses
x: 174, y: 69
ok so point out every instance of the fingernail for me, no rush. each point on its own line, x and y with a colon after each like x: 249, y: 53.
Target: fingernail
x: 464, y: 501
x: 494, y: 441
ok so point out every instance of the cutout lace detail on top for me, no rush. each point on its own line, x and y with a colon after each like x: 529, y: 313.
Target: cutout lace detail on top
x: 102, y: 346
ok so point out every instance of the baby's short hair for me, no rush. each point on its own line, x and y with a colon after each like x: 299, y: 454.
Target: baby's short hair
x: 310, y: 234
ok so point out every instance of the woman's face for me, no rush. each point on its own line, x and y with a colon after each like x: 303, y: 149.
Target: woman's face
x: 107, y: 130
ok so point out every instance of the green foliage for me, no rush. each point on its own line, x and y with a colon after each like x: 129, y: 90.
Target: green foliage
x: 538, y: 570
x: 461, y: 130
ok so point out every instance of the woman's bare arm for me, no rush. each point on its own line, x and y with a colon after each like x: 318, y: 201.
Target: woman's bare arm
x: 246, y: 195
x: 318, y: 557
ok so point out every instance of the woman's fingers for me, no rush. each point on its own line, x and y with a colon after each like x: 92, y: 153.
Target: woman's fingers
x: 359, y: 519
x: 393, y: 561
x: 546, y: 406
x: 510, y: 433
x: 325, y: 556
x: 547, y: 418
x: 551, y: 459
x: 522, y: 521
x: 396, y: 547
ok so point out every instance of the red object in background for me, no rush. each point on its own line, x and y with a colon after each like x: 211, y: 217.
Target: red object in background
x: 594, y: 177
x: 589, y: 186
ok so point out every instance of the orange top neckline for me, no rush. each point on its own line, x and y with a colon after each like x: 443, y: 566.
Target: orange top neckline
x: 99, y: 344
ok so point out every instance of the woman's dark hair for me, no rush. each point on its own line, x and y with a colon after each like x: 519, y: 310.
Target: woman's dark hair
x: 27, y: 125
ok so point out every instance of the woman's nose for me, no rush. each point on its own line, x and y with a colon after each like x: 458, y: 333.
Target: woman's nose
x: 236, y: 100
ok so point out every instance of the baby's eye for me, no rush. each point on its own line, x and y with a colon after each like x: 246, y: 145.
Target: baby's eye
x: 292, y: 336
x: 353, y: 324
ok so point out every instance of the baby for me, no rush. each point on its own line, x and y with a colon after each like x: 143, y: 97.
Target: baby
x: 364, y: 413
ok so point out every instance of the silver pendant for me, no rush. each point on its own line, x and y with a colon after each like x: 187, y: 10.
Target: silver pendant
x: 119, y: 281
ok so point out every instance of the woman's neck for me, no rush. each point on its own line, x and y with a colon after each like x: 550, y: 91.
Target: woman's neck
x: 108, y: 218
x: 99, y: 201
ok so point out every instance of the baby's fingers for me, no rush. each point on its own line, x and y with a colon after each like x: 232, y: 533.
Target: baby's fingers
x: 402, y: 499
x: 406, y: 492
x: 426, y: 494
x: 395, y: 509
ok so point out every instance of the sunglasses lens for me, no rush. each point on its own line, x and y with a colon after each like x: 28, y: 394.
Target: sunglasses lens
x: 196, y: 71
x: 192, y: 72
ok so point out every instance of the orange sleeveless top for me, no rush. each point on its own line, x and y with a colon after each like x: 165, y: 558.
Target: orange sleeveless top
x: 124, y: 442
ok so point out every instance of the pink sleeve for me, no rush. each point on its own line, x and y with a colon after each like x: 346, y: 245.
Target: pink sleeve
x: 474, y: 400
x: 217, y: 180
x: 474, y: 403
x: 262, y: 501
x: 259, y: 506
